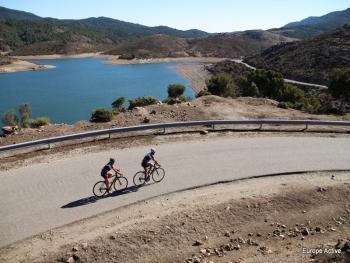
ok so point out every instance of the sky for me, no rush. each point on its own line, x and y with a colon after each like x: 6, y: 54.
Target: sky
x: 208, y: 15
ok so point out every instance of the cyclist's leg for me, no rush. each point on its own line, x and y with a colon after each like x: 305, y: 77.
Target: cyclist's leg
x: 108, y: 175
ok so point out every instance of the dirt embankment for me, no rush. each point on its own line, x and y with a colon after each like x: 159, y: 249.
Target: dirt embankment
x: 285, y: 219
x: 204, y: 108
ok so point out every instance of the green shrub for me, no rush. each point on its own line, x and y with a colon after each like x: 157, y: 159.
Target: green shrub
x: 175, y: 90
x: 101, y: 115
x: 25, y: 111
x: 339, y: 86
x: 222, y: 85
x: 10, y: 118
x: 142, y: 101
x: 38, y: 122
x: 204, y: 92
x: 118, y: 105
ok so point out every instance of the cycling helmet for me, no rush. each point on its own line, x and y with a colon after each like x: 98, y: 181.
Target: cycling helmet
x: 112, y: 160
x: 153, y: 151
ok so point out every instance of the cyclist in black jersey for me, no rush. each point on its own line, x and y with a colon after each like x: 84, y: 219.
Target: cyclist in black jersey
x: 106, y: 172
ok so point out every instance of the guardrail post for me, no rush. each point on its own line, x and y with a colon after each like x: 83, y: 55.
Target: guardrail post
x: 306, y: 126
x: 49, y: 146
x: 260, y: 127
x: 109, y: 136
x: 164, y: 130
x: 213, y: 126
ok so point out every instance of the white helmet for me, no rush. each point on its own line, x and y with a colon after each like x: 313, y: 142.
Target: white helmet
x: 153, y: 151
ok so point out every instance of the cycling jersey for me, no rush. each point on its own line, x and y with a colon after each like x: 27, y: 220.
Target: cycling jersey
x: 146, y: 159
x: 106, y: 169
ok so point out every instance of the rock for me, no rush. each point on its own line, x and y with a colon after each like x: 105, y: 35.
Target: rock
x: 70, y: 260
x: 264, y: 250
x: 204, y: 132
x: 76, y: 257
x: 305, y: 231
x: 203, y: 251
x: 196, y: 260
x: 197, y: 243
x: 332, y: 177
x: 7, y: 130
x: 153, y: 112
x: 75, y: 249
x: 146, y: 120
x: 321, y: 189
x: 227, y: 234
x: 84, y: 245
x: 342, y: 244
x: 112, y: 237
x: 318, y: 229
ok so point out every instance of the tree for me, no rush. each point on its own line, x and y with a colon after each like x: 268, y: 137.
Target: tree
x: 101, y: 115
x: 10, y: 118
x: 118, y: 104
x: 176, y: 90
x: 222, y: 85
x: 339, y: 85
x: 142, y: 101
x: 25, y: 111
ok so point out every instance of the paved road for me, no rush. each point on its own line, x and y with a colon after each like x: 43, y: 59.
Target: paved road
x: 43, y: 196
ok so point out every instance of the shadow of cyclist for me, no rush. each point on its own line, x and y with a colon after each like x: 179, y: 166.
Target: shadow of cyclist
x: 94, y: 199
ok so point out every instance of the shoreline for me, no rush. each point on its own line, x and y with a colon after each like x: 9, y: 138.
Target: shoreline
x: 115, y: 61
x: 59, y: 56
x: 21, y: 65
x: 196, y: 74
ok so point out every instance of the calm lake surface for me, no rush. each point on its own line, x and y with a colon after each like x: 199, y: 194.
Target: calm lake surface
x: 72, y: 90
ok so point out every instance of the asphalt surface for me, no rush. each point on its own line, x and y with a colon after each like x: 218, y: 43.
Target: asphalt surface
x: 47, y: 195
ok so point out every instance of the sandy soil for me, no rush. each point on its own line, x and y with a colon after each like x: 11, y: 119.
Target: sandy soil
x: 195, y: 73
x: 204, y: 108
x: 164, y: 60
x: 59, y: 56
x: 234, y: 222
x: 20, y: 65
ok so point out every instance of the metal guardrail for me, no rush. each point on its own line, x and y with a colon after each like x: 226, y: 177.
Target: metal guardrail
x: 164, y: 126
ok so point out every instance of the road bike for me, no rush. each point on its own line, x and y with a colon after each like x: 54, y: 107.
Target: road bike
x: 157, y: 175
x: 119, y: 183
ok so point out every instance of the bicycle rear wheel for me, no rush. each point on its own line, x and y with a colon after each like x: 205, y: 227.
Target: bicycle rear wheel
x: 99, y: 189
x: 140, y: 178
x: 120, y: 184
x: 158, y: 174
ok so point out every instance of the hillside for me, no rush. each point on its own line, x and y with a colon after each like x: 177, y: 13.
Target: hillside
x: 28, y: 34
x: 235, y: 44
x: 313, y: 26
x: 310, y: 60
x: 231, y: 45
x: 155, y: 46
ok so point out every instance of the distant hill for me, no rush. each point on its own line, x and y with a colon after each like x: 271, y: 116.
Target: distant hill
x: 233, y: 45
x: 28, y: 34
x: 310, y: 60
x: 155, y: 46
x: 313, y: 26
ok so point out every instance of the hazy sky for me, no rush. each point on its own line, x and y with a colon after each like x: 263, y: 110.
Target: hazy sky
x: 208, y: 15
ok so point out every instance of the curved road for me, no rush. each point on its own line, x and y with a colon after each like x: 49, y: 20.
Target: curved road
x: 42, y: 196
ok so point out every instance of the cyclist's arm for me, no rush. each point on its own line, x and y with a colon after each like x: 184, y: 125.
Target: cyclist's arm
x: 116, y: 169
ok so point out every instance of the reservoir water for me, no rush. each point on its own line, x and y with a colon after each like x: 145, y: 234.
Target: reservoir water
x: 72, y: 90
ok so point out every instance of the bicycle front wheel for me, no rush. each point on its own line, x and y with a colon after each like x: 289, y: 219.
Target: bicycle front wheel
x: 158, y: 174
x: 140, y: 178
x: 120, y: 184
x: 99, y: 189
